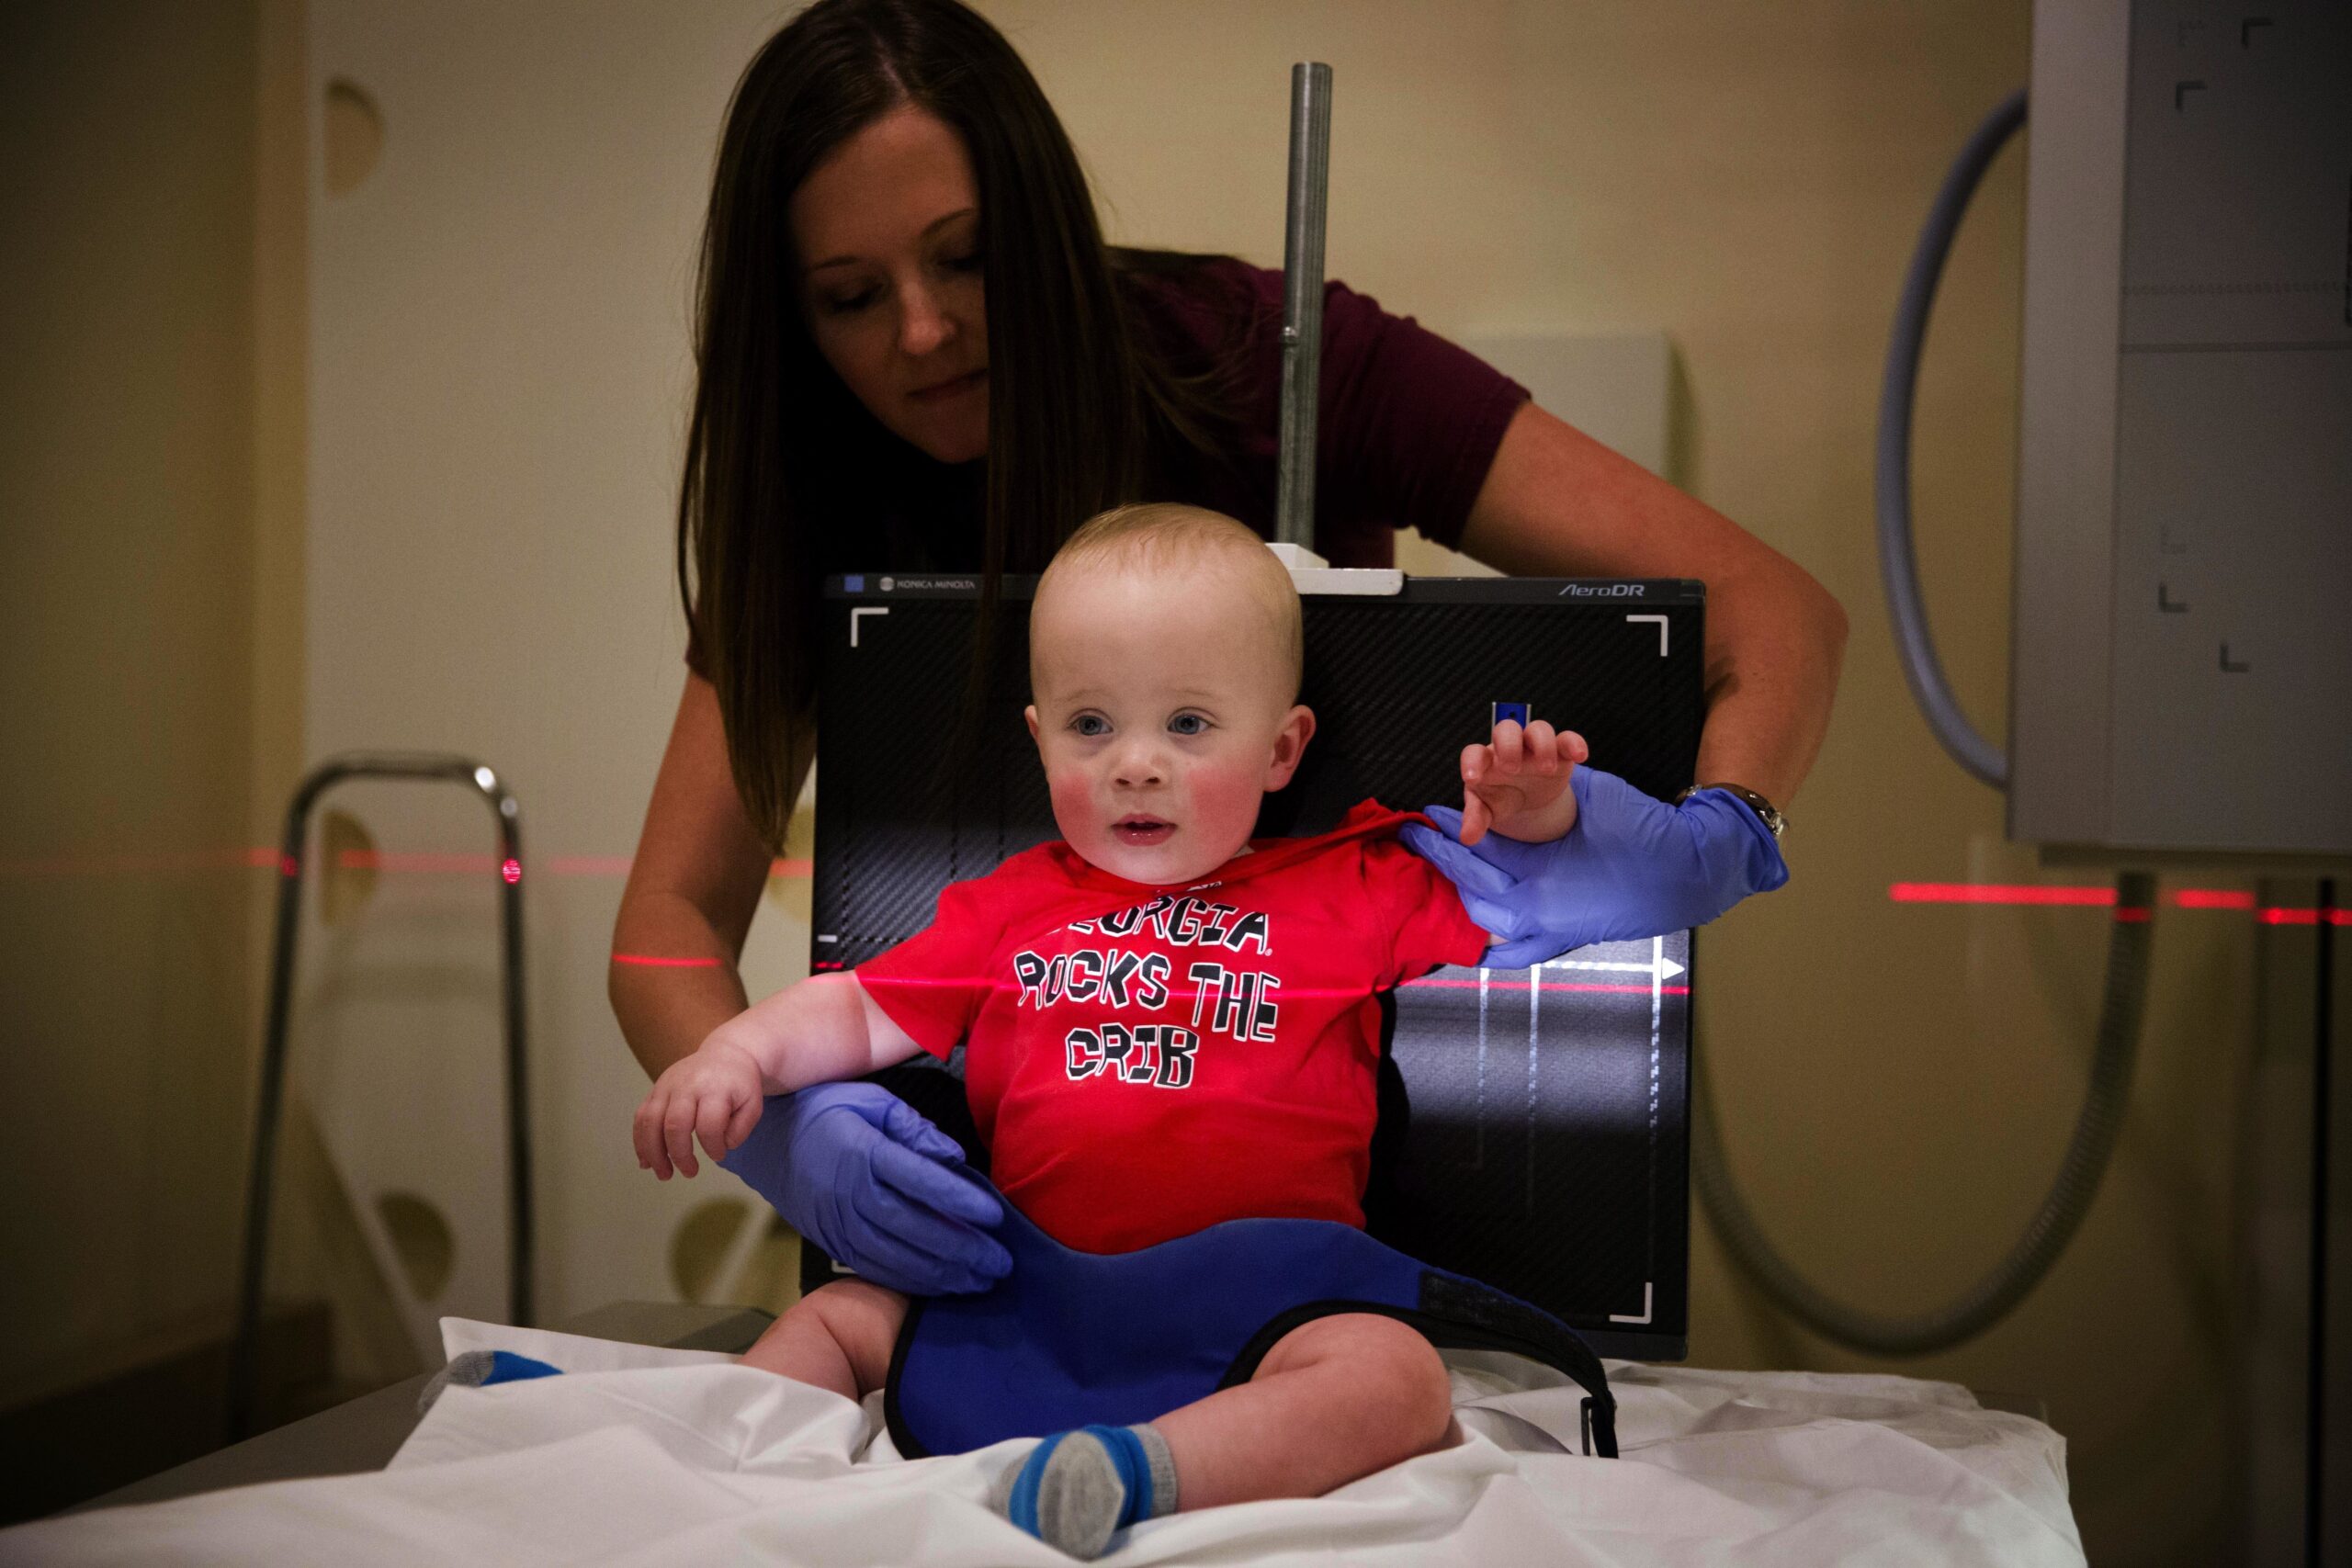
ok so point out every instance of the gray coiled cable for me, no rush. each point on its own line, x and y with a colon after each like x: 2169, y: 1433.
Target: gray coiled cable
x: 1898, y: 561
x: 2122, y: 1006
x: 2046, y: 1235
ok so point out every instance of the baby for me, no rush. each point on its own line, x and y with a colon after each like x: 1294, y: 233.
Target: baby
x: 1225, y: 993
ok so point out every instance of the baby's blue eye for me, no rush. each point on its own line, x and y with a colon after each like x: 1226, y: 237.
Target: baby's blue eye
x: 1089, y: 724
x: 1189, y: 723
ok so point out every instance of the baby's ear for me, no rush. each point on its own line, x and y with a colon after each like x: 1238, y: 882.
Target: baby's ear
x: 1290, y: 746
x: 1030, y: 713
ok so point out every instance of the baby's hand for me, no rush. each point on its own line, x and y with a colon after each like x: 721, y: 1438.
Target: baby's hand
x: 717, y: 1092
x: 1518, y: 785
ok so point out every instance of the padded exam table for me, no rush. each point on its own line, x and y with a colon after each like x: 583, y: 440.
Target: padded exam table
x: 365, y: 1433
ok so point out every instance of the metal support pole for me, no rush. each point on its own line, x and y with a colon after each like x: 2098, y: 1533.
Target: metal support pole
x: 1310, y: 164
x: 292, y: 854
x: 2291, y: 1331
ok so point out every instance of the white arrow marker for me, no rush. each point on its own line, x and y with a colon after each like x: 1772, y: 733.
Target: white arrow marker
x: 1661, y: 629
x: 1666, y: 968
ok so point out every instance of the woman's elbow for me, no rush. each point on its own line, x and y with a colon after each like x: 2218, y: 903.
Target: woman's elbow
x: 1803, y: 603
x: 1828, y: 617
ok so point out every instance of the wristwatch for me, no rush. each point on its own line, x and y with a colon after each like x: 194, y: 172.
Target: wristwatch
x: 1766, y: 812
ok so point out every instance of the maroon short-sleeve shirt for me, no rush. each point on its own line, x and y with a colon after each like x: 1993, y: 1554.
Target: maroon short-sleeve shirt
x: 1407, y: 428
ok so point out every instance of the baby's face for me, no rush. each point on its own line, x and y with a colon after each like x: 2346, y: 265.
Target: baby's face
x: 1163, y: 714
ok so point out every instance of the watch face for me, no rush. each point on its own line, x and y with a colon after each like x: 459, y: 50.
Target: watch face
x: 1765, y: 811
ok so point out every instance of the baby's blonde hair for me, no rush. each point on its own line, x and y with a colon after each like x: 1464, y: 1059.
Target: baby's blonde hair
x: 1171, y: 536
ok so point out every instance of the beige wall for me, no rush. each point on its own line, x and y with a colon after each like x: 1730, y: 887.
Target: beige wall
x: 127, y: 610
x: 1897, y: 1080
x: 151, y: 519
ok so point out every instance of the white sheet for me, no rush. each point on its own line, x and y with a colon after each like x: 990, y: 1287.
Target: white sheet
x: 649, y: 1457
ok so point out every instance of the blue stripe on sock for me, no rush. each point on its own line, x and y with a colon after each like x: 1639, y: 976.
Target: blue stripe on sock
x: 1022, y: 1507
x: 1126, y: 1449
x: 505, y: 1366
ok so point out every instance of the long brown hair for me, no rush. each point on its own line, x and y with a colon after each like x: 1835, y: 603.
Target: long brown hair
x: 785, y: 469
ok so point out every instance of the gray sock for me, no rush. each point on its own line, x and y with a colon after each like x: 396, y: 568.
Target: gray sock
x: 473, y: 1369
x: 1082, y: 1489
x: 468, y: 1368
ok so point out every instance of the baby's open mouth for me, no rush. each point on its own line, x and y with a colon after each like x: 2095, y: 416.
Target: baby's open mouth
x: 1141, y: 829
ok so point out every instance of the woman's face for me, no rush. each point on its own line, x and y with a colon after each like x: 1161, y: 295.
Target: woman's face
x: 887, y: 232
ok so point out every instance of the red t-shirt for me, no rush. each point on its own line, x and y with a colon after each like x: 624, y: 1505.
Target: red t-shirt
x: 1146, y: 1062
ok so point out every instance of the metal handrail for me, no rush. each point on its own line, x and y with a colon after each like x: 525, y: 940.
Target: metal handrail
x: 426, y: 767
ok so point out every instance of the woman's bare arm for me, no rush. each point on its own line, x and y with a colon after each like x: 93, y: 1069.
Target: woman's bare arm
x: 1559, y: 503
x: 692, y: 891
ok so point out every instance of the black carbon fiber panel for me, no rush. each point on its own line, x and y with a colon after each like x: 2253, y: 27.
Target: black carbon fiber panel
x: 1545, y: 1152
x: 1545, y: 1146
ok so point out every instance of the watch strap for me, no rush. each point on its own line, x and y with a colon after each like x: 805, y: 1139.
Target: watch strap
x: 1766, y: 812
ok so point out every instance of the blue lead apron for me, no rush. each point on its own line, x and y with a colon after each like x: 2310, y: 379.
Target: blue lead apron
x: 1074, y: 1338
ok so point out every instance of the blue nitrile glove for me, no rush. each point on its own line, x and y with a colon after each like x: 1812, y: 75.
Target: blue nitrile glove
x: 1632, y: 867
x: 867, y: 1176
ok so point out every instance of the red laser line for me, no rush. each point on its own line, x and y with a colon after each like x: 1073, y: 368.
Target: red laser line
x: 2073, y: 896
x: 416, y: 861
x: 1324, y: 993
x: 394, y: 862
x: 588, y: 865
x: 261, y: 857
x: 1513, y: 987
x: 649, y: 961
x: 1995, y: 893
x: 138, y: 864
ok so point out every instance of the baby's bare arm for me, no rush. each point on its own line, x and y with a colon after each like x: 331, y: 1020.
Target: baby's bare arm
x: 823, y: 1030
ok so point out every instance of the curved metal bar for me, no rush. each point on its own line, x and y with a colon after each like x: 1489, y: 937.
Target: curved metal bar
x: 427, y: 767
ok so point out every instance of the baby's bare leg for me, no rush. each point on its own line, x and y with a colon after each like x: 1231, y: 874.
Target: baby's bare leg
x: 1333, y: 1401
x: 838, y: 1337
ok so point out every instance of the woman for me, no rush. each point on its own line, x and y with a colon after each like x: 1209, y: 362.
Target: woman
x: 916, y: 351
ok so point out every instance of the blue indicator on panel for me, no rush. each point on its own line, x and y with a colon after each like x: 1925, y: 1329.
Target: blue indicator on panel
x: 1516, y: 712
x: 854, y: 582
